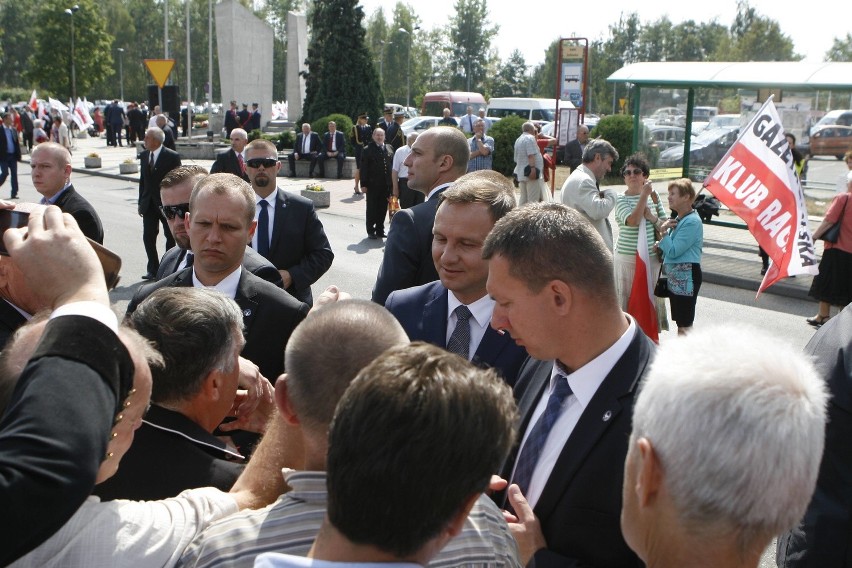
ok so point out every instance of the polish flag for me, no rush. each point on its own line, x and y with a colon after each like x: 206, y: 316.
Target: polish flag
x: 81, y: 115
x: 33, y: 104
x: 642, y: 301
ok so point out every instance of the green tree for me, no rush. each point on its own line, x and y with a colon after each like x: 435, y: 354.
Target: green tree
x: 841, y: 49
x: 396, y: 62
x: 15, y: 37
x: 505, y: 131
x: 470, y: 36
x: 545, y: 74
x: 510, y: 78
x: 757, y: 38
x: 442, y: 65
x: 341, y: 77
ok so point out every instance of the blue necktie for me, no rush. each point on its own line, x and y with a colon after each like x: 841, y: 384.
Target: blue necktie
x: 263, y: 229
x: 459, y: 342
x: 538, y: 436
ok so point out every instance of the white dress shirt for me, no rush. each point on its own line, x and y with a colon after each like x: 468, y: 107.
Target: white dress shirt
x: 481, y: 311
x: 584, y: 383
x: 228, y: 285
x: 398, y: 158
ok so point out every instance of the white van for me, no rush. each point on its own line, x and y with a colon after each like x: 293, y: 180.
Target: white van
x: 536, y: 110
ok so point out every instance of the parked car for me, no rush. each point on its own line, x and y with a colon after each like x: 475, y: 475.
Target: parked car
x: 419, y: 124
x: 665, y: 137
x: 721, y: 120
x: 839, y: 117
x: 665, y: 116
x: 706, y: 149
x: 833, y: 140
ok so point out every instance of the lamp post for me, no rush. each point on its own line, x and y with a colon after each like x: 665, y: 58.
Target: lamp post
x: 121, y: 70
x: 71, y: 11
x: 410, y: 35
x: 383, y: 43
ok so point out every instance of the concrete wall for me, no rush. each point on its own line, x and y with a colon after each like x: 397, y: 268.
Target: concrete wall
x: 245, y: 45
x: 297, y: 52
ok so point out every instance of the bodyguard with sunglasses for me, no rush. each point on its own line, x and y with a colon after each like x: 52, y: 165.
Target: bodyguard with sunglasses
x: 174, y: 192
x: 155, y: 162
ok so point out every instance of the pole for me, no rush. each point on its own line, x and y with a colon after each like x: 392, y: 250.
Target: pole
x: 188, y: 132
x: 121, y: 70
x: 209, y: 57
x: 408, y: 75
x: 165, y: 31
x: 71, y: 11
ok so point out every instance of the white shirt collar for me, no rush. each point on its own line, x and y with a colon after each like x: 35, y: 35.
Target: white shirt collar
x: 228, y: 285
x: 481, y: 309
x: 436, y: 189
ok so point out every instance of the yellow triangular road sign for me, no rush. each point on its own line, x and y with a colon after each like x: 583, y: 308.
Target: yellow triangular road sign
x: 160, y: 69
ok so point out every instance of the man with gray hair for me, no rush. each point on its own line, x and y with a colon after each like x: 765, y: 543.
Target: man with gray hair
x: 199, y: 334
x: 481, y: 148
x: 582, y: 192
x: 724, y: 453
x: 155, y: 162
x: 529, y: 167
x: 233, y: 160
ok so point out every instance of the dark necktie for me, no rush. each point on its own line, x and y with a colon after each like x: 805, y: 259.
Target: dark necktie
x: 459, y: 342
x: 538, y: 436
x: 263, y: 229
x: 190, y: 257
x: 242, y: 164
x: 151, y: 163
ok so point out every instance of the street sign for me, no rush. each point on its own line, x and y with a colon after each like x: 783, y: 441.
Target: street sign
x: 160, y: 69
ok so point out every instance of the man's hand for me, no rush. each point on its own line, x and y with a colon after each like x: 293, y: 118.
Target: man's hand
x: 51, y: 245
x: 524, y: 525
x: 285, y: 276
x: 254, y: 403
x: 296, y: 155
x: 329, y: 296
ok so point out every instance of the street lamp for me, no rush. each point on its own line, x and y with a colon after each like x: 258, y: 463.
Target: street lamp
x: 121, y: 70
x: 408, y: 71
x: 71, y: 11
x: 383, y: 43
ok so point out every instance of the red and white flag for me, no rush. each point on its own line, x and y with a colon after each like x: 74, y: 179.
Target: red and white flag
x: 81, y: 115
x: 756, y: 179
x: 33, y: 104
x: 642, y: 303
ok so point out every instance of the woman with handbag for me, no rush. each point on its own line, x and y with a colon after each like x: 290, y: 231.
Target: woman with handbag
x: 638, y: 201
x: 833, y: 284
x: 681, y: 247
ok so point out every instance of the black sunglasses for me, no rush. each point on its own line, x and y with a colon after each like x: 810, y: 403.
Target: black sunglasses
x: 267, y: 163
x: 169, y: 211
x: 629, y: 172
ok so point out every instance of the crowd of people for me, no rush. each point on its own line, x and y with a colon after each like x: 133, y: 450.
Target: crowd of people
x: 526, y: 418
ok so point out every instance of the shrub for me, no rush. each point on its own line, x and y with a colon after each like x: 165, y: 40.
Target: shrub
x: 505, y: 131
x: 286, y: 140
x: 344, y: 125
x: 617, y: 129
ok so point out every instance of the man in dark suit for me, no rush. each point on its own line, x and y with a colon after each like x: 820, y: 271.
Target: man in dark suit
x: 289, y: 233
x: 220, y: 225
x: 79, y: 376
x: 550, y: 274
x: 155, y: 162
x: 438, y: 157
x: 244, y: 117
x: 28, y: 127
x: 821, y: 539
x: 455, y: 313
x: 165, y: 124
x: 233, y: 161
x: 114, y: 115
x: 334, y: 147
x: 10, y: 153
x: 306, y: 147
x: 231, y: 119
x: 377, y: 182
x: 254, y: 122
x: 573, y: 153
x: 387, y: 119
x: 193, y: 391
x: 393, y: 133
x: 136, y: 122
x: 51, y: 175
x: 175, y: 190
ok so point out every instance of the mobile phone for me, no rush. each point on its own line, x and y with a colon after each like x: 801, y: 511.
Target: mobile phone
x: 10, y: 219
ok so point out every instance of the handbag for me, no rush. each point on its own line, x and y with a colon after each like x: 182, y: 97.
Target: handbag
x: 528, y: 170
x: 661, y: 288
x: 833, y: 233
x: 393, y: 206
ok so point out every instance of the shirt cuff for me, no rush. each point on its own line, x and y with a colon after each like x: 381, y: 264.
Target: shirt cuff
x: 94, y: 310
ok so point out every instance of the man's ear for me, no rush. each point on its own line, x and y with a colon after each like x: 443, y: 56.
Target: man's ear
x: 650, y: 472
x: 457, y: 522
x: 282, y: 400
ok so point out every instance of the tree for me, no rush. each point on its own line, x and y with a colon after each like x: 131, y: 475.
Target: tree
x: 544, y: 75
x: 49, y: 65
x: 15, y: 38
x: 341, y: 77
x: 470, y: 37
x: 510, y: 79
x: 757, y: 38
x: 841, y: 49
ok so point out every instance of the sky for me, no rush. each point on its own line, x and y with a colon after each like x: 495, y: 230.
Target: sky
x: 531, y: 25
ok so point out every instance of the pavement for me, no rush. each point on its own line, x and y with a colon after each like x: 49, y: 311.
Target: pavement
x: 730, y: 254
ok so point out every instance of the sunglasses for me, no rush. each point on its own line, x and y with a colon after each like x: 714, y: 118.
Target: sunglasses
x: 632, y: 172
x: 267, y: 163
x: 169, y: 211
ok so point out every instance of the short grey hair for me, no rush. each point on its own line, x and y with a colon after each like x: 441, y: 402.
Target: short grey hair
x: 240, y: 133
x: 598, y: 146
x: 528, y: 127
x: 196, y: 330
x: 739, y: 437
x: 157, y: 132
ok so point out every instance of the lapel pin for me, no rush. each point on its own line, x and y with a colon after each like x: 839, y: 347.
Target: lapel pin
x: 607, y: 415
x: 246, y: 312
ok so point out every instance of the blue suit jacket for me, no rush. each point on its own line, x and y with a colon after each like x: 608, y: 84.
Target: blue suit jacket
x: 422, y: 312
x: 339, y: 143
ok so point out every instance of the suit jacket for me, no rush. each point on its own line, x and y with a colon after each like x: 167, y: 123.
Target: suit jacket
x: 580, y: 505
x: 407, y: 260
x: 149, y: 181
x: 339, y: 143
x: 78, y: 376
x: 231, y: 120
x: 395, y: 136
x: 78, y: 207
x: 269, y: 317
x: 252, y: 261
x: 821, y: 539
x: 422, y: 312
x: 169, y: 142
x: 254, y: 123
x: 10, y: 320
x: 244, y: 118
x: 573, y: 154
x: 299, y: 244
x: 4, y: 153
x: 227, y: 162
x: 170, y: 453
x: 316, y: 143
x: 581, y: 192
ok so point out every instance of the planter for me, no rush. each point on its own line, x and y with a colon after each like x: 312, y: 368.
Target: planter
x: 132, y: 168
x: 92, y: 162
x: 320, y: 198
